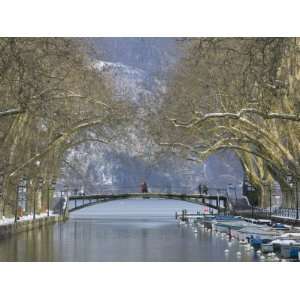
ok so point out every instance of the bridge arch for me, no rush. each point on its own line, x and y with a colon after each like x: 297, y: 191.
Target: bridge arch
x: 218, y: 202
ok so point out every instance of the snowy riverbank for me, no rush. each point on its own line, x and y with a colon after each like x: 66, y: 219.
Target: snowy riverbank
x: 6, y: 221
x: 8, y: 227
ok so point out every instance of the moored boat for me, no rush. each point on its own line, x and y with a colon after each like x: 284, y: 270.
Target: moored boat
x: 257, y: 241
x: 280, y: 226
x: 258, y: 235
x: 263, y: 222
x: 291, y: 235
x: 229, y: 226
x: 245, y: 233
x: 290, y: 251
x: 267, y: 247
x: 282, y: 242
x: 286, y: 238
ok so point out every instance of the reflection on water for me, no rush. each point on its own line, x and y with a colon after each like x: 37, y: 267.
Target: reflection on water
x: 135, y: 233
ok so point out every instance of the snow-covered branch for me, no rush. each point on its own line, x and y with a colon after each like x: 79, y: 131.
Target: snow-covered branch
x: 181, y: 145
x: 10, y: 112
x: 245, y: 111
x: 201, y: 118
x: 58, y: 141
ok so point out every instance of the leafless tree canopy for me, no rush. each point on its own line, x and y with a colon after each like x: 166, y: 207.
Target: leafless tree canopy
x: 50, y: 98
x: 240, y: 94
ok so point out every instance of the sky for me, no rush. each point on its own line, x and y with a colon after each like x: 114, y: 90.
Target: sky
x: 152, y: 55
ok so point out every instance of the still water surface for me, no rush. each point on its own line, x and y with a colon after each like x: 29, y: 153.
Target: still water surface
x: 128, y: 230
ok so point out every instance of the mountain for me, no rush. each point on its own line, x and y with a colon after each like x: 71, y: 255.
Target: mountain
x: 96, y: 167
x: 134, y: 84
x: 153, y: 55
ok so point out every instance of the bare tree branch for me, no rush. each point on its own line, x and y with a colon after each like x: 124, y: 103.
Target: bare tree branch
x: 10, y: 112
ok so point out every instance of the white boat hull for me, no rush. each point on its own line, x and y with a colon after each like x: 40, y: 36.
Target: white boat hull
x: 267, y: 248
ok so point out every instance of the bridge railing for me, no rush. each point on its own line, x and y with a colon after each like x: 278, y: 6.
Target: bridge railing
x: 214, y: 198
x: 266, y: 213
x: 154, y: 189
x: 278, y: 212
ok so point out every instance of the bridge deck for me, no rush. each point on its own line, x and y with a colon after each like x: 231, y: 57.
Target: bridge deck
x: 193, y: 198
x: 149, y: 195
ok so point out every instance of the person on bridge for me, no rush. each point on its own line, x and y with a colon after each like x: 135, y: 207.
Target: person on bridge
x: 205, y: 189
x: 144, y: 187
x: 200, y: 188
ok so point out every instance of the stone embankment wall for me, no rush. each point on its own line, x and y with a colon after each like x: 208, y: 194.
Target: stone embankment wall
x: 10, y: 229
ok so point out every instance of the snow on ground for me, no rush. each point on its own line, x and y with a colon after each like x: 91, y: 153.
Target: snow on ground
x: 6, y: 221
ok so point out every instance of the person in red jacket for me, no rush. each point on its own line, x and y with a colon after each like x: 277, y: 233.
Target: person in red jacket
x: 144, y: 187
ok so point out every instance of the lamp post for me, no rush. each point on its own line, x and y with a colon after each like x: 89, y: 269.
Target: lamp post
x: 40, y: 182
x: 23, y: 192
x: 21, y: 185
x: 17, y: 202
x: 75, y: 191
x: 25, y: 181
x: 268, y: 187
x: 231, y: 187
x: 1, y: 192
x: 66, y: 191
x: 270, y: 195
x: 248, y: 190
x: 51, y: 187
x: 236, y: 199
x: 228, y: 192
x: 37, y: 163
x: 293, y: 183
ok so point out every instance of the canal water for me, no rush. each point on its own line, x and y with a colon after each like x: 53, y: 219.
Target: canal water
x: 128, y: 230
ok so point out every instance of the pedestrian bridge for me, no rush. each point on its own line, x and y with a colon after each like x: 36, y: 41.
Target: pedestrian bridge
x: 216, y: 201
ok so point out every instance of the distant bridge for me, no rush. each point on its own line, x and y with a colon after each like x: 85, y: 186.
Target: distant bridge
x: 216, y: 201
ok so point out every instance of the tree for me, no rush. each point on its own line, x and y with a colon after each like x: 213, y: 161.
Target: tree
x: 240, y: 94
x: 50, y: 98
